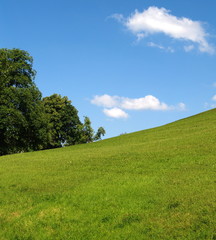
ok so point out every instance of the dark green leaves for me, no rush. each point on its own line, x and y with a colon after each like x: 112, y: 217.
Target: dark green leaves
x: 22, y: 116
x: 63, y: 121
x: 27, y: 122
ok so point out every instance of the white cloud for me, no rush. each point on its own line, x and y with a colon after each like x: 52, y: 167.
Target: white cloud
x: 152, y: 44
x: 181, y: 107
x: 148, y: 102
x: 159, y: 20
x: 118, y: 17
x: 140, y: 36
x: 115, y: 113
x: 188, y: 48
x: 105, y: 101
x: 214, y: 98
x: 114, y: 105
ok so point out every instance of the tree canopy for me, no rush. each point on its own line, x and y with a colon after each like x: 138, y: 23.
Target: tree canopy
x: 23, y: 123
x: 28, y: 122
x: 65, y: 127
x: 63, y: 121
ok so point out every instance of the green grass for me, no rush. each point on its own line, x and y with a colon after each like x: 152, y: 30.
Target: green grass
x: 154, y: 184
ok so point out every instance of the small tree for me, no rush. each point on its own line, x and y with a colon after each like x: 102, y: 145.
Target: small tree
x: 87, y: 132
x: 100, y: 132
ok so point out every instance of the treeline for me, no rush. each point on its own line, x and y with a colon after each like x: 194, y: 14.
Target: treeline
x: 29, y: 122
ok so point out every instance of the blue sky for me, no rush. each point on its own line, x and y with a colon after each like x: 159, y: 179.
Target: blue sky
x: 128, y: 65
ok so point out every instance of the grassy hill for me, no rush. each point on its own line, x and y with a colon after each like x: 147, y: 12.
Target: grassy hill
x: 154, y: 184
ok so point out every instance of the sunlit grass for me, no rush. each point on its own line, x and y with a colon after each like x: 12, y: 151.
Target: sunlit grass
x: 154, y: 184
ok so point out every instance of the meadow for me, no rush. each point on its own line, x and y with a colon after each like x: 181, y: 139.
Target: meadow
x: 153, y: 184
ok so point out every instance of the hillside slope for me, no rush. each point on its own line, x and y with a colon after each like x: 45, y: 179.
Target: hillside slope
x: 153, y: 184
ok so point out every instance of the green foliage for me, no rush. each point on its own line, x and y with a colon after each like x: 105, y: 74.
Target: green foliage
x: 153, y: 184
x: 29, y: 123
x: 87, y: 133
x: 100, y: 132
x: 23, y: 124
x: 65, y: 128
x: 63, y: 121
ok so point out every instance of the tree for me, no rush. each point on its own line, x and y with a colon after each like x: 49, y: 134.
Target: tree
x: 28, y: 122
x: 100, y: 132
x: 87, y: 132
x: 65, y: 127
x: 64, y: 123
x: 23, y: 123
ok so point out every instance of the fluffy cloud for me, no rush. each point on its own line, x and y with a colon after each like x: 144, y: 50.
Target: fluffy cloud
x: 188, y: 48
x: 105, y: 100
x: 118, y: 17
x: 181, y: 107
x: 114, y: 104
x: 159, y: 20
x: 146, y: 103
x: 115, y: 113
x: 214, y: 98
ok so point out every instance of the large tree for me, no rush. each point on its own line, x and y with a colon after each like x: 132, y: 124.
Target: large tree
x: 23, y: 123
x: 64, y: 123
x: 65, y: 127
x: 28, y: 122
